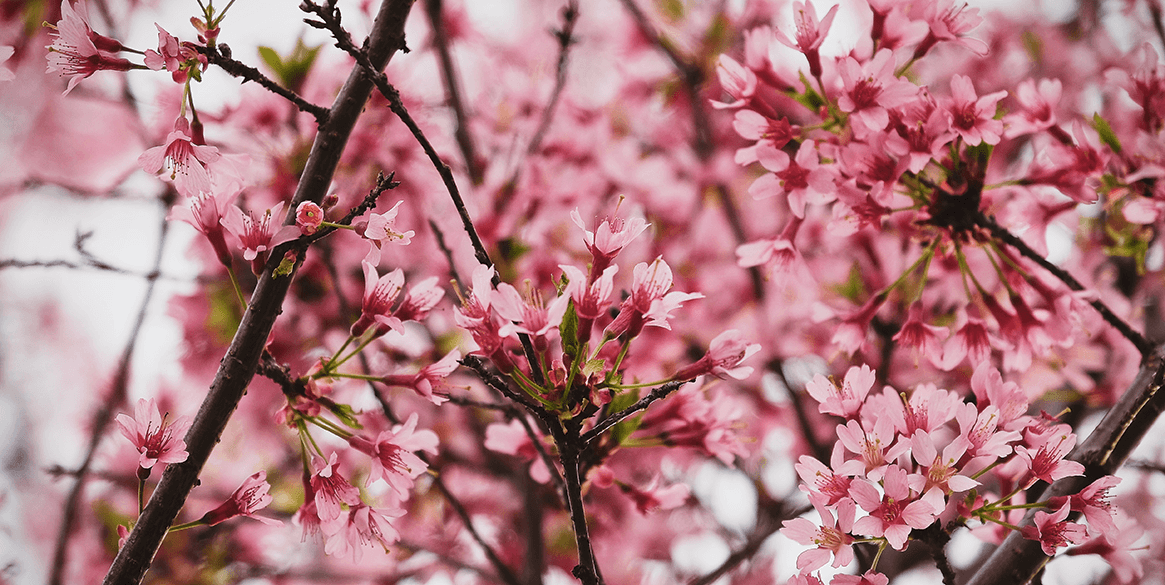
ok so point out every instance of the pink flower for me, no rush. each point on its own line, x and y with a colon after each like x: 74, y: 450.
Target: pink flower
x: 893, y: 513
x: 939, y: 471
x: 430, y: 376
x: 690, y: 419
x: 1047, y: 462
x: 394, y: 456
x: 950, y: 21
x: 1114, y: 548
x: 972, y: 342
x: 531, y: 316
x: 724, y: 355
x: 608, y: 239
x: 650, y: 302
x: 1037, y: 107
x: 869, y: 89
x: 251, y: 497
x: 802, y: 179
x: 157, y: 441
x: 329, y: 490
x: 810, y: 33
x: 77, y: 51
x: 308, y: 217
x: 205, y: 211
x: 257, y: 237
x: 590, y: 302
x: 512, y: 439
x: 847, y: 400
x: 1094, y: 502
x: 817, y: 478
x: 364, y: 525
x: 420, y: 299
x: 973, y: 117
x: 380, y: 228
x: 380, y: 294
x: 1052, y: 531
x: 186, y: 160
x: 831, y: 537
x: 738, y: 82
x: 867, y: 578
x: 181, y: 59
x: 926, y: 339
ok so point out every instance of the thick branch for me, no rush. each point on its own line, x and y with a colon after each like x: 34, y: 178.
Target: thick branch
x: 1017, y: 560
x: 239, y: 365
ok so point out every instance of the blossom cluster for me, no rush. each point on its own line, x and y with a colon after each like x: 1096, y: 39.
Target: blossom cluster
x: 905, y: 462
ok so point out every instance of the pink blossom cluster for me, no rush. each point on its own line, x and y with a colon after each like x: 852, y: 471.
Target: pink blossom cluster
x: 904, y: 462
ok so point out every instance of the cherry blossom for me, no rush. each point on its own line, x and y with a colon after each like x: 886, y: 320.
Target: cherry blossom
x: 308, y: 217
x: 205, y: 211
x: 257, y: 237
x: 187, y: 161
x: 393, y: 454
x: 79, y: 52
x: 428, y: 378
x: 156, y: 440
x: 832, y: 537
x: 1053, y: 531
x: 725, y: 353
x: 251, y: 497
x: 894, y: 512
x: 6, y: 52
x: 810, y: 33
x: 376, y: 306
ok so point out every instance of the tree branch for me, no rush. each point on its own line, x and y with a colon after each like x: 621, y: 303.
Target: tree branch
x: 242, y: 358
x: 1143, y: 345
x: 656, y: 394
x: 1017, y: 560
x: 247, y: 73
x: 453, y: 90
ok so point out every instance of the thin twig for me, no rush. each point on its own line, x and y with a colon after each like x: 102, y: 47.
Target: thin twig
x: 453, y: 91
x: 247, y: 73
x: 105, y: 414
x: 656, y: 394
x: 440, y: 237
x: 566, y: 40
x: 1144, y: 346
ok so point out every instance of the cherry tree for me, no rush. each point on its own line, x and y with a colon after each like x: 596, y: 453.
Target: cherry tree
x: 492, y: 302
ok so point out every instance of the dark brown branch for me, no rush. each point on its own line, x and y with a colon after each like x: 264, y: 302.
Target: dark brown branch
x: 1143, y: 345
x: 242, y: 358
x: 247, y: 73
x: 1017, y: 560
x: 104, y: 416
x: 656, y: 394
x: 445, y: 251
x: 570, y: 447
x: 453, y: 91
x: 330, y: 20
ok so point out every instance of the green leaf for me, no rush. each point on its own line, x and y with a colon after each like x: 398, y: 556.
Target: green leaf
x: 292, y: 68
x: 568, y: 330
x: 345, y: 414
x: 1107, y: 136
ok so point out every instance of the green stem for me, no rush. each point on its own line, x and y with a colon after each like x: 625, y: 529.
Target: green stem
x: 186, y: 526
